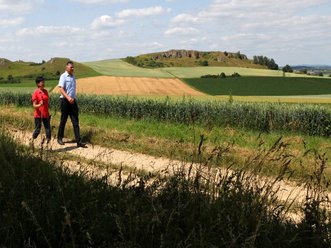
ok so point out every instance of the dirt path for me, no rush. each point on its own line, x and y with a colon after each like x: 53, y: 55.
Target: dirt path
x: 113, y: 159
x: 288, y: 191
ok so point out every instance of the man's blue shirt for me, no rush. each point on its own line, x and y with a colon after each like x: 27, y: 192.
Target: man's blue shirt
x: 68, y: 83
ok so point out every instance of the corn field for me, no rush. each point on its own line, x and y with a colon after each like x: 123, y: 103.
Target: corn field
x: 311, y: 119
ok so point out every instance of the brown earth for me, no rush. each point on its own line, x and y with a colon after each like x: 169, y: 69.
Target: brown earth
x: 135, y: 86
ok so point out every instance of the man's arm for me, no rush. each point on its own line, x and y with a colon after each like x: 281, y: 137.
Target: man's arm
x: 71, y: 100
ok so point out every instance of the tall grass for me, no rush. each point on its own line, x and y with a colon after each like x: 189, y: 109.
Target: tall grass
x: 43, y: 205
x: 308, y: 119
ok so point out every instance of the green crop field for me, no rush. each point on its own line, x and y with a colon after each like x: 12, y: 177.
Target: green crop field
x: 117, y: 67
x: 197, y: 72
x: 27, y: 85
x: 261, y: 86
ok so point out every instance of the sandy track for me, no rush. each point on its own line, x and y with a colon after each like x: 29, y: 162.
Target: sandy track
x: 288, y: 191
x: 136, y: 86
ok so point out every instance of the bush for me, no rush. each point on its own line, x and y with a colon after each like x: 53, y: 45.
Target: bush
x: 235, y: 74
x: 203, y: 63
x: 222, y: 75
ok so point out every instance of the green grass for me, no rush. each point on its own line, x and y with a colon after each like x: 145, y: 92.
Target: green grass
x: 117, y: 67
x: 312, y: 119
x: 27, y: 86
x: 55, y: 66
x: 261, y: 86
x: 212, y: 58
x: 179, y: 141
x: 45, y: 205
x: 197, y: 72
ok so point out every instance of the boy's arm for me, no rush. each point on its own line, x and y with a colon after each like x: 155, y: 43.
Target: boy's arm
x: 36, y: 105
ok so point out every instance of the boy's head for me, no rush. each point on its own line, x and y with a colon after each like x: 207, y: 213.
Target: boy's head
x: 39, y: 80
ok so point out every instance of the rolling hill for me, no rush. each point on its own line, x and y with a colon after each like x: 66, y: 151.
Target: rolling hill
x: 192, y: 58
x: 118, y: 67
x: 50, y: 69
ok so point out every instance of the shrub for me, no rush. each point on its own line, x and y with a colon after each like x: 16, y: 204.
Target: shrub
x: 235, y: 74
x: 203, y: 63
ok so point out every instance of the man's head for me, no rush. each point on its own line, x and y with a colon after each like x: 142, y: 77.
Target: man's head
x: 70, y: 67
x: 40, y: 81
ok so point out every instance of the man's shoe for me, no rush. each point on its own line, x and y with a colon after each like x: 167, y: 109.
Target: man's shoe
x: 60, y: 142
x: 81, y: 144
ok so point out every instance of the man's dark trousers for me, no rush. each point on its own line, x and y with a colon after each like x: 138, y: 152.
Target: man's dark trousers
x: 68, y: 109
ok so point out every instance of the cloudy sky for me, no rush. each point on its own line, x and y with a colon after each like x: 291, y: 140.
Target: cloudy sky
x: 289, y: 31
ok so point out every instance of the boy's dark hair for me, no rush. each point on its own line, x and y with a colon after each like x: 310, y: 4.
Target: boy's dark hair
x: 39, y: 79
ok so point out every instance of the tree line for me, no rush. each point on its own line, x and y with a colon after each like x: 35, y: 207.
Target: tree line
x: 263, y: 60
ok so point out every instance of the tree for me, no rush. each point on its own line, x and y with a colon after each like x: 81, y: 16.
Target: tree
x: 263, y: 60
x: 10, y: 77
x: 203, y: 63
x: 287, y: 68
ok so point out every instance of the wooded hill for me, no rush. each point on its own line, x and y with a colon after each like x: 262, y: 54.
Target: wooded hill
x: 189, y: 58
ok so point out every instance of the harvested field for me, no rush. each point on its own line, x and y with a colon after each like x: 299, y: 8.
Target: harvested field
x: 135, y: 86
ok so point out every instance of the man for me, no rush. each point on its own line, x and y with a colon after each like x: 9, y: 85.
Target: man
x: 67, y: 87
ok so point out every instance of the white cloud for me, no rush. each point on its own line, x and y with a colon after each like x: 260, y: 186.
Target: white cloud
x: 288, y: 31
x: 181, y: 31
x: 48, y: 30
x: 11, y: 22
x: 142, y: 12
x: 101, y: 1
x: 106, y: 21
x: 18, y: 5
x: 184, y: 18
x: 256, y: 8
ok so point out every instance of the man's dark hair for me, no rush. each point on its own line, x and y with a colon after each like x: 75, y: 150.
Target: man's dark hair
x: 39, y: 79
x: 70, y: 62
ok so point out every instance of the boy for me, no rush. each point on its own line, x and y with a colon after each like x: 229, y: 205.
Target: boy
x: 41, y: 113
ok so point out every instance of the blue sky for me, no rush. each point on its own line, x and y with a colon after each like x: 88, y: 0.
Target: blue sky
x: 291, y: 32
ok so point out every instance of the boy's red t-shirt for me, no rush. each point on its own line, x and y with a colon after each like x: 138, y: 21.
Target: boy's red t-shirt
x: 42, y: 111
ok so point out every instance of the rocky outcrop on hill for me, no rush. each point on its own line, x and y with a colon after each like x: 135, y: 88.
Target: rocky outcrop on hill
x: 55, y: 59
x: 219, y: 56
x: 4, y: 61
x: 179, y: 54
